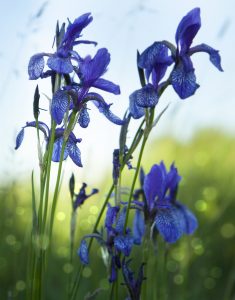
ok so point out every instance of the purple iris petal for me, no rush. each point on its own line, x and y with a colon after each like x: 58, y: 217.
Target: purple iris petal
x: 138, y: 227
x: 123, y: 244
x: 19, y: 138
x: 74, y: 29
x: 57, y: 150
x: 183, y: 81
x: 120, y: 223
x: 60, y: 64
x: 84, y: 118
x: 136, y: 111
x: 59, y: 105
x: 92, y: 69
x: 187, y: 29
x: 168, y: 224
x: 154, y: 185
x: 107, y: 86
x: 146, y: 97
x: 36, y: 66
x: 74, y: 153
x: 214, y: 54
x: 83, y: 252
x: 190, y: 221
x: 111, y: 215
x: 104, y: 109
x: 156, y: 58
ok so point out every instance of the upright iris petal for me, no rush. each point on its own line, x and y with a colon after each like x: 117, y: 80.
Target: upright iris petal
x: 187, y: 29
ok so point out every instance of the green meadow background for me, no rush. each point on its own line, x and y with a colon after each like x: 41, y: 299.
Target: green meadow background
x: 201, y: 266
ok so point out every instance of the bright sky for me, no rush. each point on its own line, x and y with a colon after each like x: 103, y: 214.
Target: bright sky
x: 122, y: 27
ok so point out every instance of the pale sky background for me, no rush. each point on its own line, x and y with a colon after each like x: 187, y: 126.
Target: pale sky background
x: 122, y: 27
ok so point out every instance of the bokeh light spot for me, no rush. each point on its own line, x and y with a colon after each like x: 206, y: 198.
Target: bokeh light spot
x: 209, y: 283
x: 20, y: 285
x: 216, y: 272
x: 11, y: 239
x: 68, y: 268
x: 227, y: 230
x: 94, y: 210
x: 178, y: 279
x: 86, y: 272
x: 60, y: 216
x: 201, y: 205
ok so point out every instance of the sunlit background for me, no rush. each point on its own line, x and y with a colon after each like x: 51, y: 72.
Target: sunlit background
x: 197, y: 133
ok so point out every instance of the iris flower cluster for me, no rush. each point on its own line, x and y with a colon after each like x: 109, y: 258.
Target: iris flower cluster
x: 79, y: 76
x: 157, y: 58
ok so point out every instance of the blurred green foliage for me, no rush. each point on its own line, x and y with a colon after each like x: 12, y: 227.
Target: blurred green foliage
x: 201, y: 266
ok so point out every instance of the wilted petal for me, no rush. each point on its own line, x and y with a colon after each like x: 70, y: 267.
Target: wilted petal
x: 136, y: 111
x: 74, y: 153
x: 145, y: 97
x: 168, y: 224
x: 36, y: 66
x: 57, y: 150
x: 107, y: 86
x: 187, y: 29
x: 19, y: 138
x: 138, y: 227
x: 83, y: 252
x: 183, y: 81
x: 123, y: 244
x: 59, y: 64
x: 59, y: 105
x: 84, y: 118
x: 214, y: 54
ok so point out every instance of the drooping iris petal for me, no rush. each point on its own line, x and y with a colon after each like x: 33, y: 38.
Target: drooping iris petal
x: 136, y: 111
x: 104, y: 109
x: 187, y: 29
x: 154, y: 185
x: 19, y: 138
x: 138, y: 227
x: 155, y: 60
x: 214, y: 54
x: 168, y: 224
x: 84, y: 118
x: 107, y: 86
x: 123, y: 244
x: 146, y: 97
x: 189, y: 218
x: 36, y: 66
x: 74, y: 153
x: 59, y: 105
x: 83, y: 252
x: 157, y: 53
x: 183, y: 81
x: 60, y: 65
x: 111, y: 215
x: 57, y: 147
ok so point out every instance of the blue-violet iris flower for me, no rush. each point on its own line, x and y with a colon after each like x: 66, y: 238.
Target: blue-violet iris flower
x: 60, y: 61
x: 114, y: 242
x: 89, y: 72
x: 71, y: 148
x: 160, y: 208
